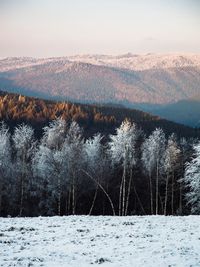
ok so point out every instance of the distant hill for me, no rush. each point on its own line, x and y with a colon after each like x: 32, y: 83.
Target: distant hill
x: 127, y: 80
x: 126, y: 61
x: 138, y: 79
x: 15, y: 109
x: 185, y: 111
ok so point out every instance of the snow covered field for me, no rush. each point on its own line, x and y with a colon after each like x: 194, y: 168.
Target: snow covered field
x: 78, y: 241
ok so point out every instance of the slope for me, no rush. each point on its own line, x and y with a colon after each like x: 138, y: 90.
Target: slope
x: 149, y: 79
x: 16, y: 109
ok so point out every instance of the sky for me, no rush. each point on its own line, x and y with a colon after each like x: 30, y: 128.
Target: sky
x: 47, y: 28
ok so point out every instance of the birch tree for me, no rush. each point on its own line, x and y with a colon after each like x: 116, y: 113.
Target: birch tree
x: 23, y: 140
x: 122, y: 151
x: 5, y: 160
x: 73, y: 146
x: 94, y: 161
x: 186, y: 147
x: 54, y: 134
x: 43, y: 167
x: 49, y: 159
x: 148, y: 163
x: 153, y: 150
x: 171, y: 158
x: 192, y: 181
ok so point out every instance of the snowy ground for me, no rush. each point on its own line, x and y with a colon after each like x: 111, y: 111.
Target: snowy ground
x: 78, y: 241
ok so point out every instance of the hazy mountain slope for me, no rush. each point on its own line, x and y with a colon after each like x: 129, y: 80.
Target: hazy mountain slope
x: 185, y: 112
x: 63, y: 79
x: 11, y: 63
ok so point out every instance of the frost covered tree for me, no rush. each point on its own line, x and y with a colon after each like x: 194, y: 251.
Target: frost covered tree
x: 23, y: 140
x: 123, y: 153
x: 96, y: 164
x: 73, y: 147
x: 93, y: 153
x: 54, y: 133
x: 58, y: 161
x: 148, y: 163
x: 5, y: 160
x: 170, y: 161
x: 192, y: 181
x: 43, y: 167
x: 152, y: 153
x: 49, y: 160
x: 185, y: 148
x: 93, y: 158
x: 63, y: 173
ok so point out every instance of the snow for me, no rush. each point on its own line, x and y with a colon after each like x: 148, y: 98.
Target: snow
x: 110, y: 241
x: 126, y: 61
x: 141, y: 62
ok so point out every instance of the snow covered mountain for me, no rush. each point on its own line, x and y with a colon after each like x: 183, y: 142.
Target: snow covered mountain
x: 125, y: 61
x: 126, y: 79
x: 141, y: 62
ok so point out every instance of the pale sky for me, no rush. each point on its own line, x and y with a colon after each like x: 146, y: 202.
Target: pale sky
x: 45, y: 28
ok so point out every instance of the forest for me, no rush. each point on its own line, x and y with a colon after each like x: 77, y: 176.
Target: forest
x: 16, y: 109
x: 127, y: 172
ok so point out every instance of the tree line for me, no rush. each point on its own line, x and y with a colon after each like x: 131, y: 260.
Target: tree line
x: 125, y: 173
x: 16, y: 109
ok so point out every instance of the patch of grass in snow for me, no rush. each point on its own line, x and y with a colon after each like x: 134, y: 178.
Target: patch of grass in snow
x: 102, y: 260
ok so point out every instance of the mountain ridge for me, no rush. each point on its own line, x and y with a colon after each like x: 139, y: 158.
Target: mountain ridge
x: 127, y: 61
x: 85, y: 81
x: 125, y: 79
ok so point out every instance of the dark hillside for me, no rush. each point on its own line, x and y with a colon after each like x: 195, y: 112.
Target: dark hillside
x: 15, y: 109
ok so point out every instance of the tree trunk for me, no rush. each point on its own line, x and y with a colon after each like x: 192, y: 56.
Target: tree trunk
x: 59, y: 197
x: 120, y: 194
x: 157, y: 191
x: 161, y: 204
x: 172, y: 204
x: 181, y: 192
x: 94, y: 198
x: 129, y: 190
x: 66, y: 204
x: 166, y: 194
x: 69, y: 200
x: 124, y: 191
x: 139, y: 201
x: 73, y: 196
x: 21, y: 197
x: 151, y: 194
x: 100, y: 186
x: 0, y: 196
x: 103, y: 205
x: 180, y: 200
x: 22, y: 184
